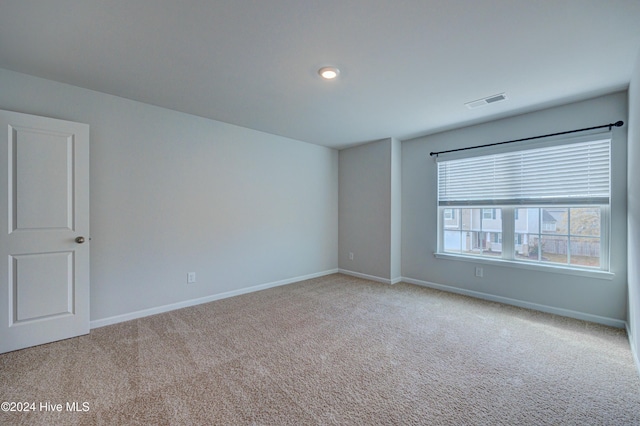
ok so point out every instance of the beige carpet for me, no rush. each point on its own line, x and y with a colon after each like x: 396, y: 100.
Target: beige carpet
x: 333, y: 350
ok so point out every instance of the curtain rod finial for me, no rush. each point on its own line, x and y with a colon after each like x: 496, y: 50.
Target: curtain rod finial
x: 618, y: 123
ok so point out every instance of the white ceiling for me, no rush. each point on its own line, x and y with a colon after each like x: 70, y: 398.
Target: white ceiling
x: 407, y: 66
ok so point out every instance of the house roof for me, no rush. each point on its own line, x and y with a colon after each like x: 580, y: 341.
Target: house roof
x: 547, y: 217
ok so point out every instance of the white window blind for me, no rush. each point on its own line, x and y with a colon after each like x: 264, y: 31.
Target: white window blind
x: 574, y: 173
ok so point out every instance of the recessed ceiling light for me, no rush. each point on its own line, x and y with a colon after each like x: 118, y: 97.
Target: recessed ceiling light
x: 329, y: 73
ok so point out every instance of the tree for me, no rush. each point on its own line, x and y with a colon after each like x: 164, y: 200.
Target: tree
x: 584, y: 221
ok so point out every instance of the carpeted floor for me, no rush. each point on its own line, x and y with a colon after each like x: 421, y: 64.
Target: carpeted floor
x: 332, y: 350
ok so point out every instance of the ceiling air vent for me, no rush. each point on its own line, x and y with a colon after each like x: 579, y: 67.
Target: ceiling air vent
x: 486, y: 101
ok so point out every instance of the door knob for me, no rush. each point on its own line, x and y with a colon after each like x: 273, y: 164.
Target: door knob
x: 79, y: 240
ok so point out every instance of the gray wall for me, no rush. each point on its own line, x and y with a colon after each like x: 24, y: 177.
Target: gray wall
x: 173, y: 193
x: 634, y: 211
x: 582, y: 297
x: 369, y: 211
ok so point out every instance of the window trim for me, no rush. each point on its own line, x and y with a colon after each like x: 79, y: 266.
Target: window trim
x: 508, y: 208
x: 534, y: 266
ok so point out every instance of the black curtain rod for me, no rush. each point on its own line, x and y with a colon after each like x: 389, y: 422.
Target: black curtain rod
x: 610, y: 125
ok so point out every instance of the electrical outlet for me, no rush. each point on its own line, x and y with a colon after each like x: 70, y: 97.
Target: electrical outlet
x: 350, y: 256
x: 479, y: 272
x: 191, y: 277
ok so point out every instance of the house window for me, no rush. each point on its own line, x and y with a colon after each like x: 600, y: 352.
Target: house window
x: 488, y: 213
x: 519, y: 240
x: 553, y: 204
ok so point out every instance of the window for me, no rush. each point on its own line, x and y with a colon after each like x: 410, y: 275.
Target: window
x: 473, y: 234
x: 568, y: 236
x: 542, y: 205
x: 488, y: 213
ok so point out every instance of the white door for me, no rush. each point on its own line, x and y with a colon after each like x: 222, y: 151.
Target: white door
x: 44, y: 230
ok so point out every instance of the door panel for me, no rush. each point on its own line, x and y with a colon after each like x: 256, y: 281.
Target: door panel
x: 29, y: 299
x: 41, y: 179
x: 44, y: 293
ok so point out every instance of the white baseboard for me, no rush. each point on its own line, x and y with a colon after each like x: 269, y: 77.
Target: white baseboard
x: 612, y: 322
x: 632, y: 344
x: 370, y: 277
x: 184, y: 304
x: 529, y: 305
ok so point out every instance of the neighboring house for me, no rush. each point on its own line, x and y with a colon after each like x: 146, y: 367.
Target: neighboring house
x: 483, y: 229
x: 473, y: 230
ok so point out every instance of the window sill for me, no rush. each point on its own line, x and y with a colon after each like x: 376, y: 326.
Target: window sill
x: 603, y: 275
